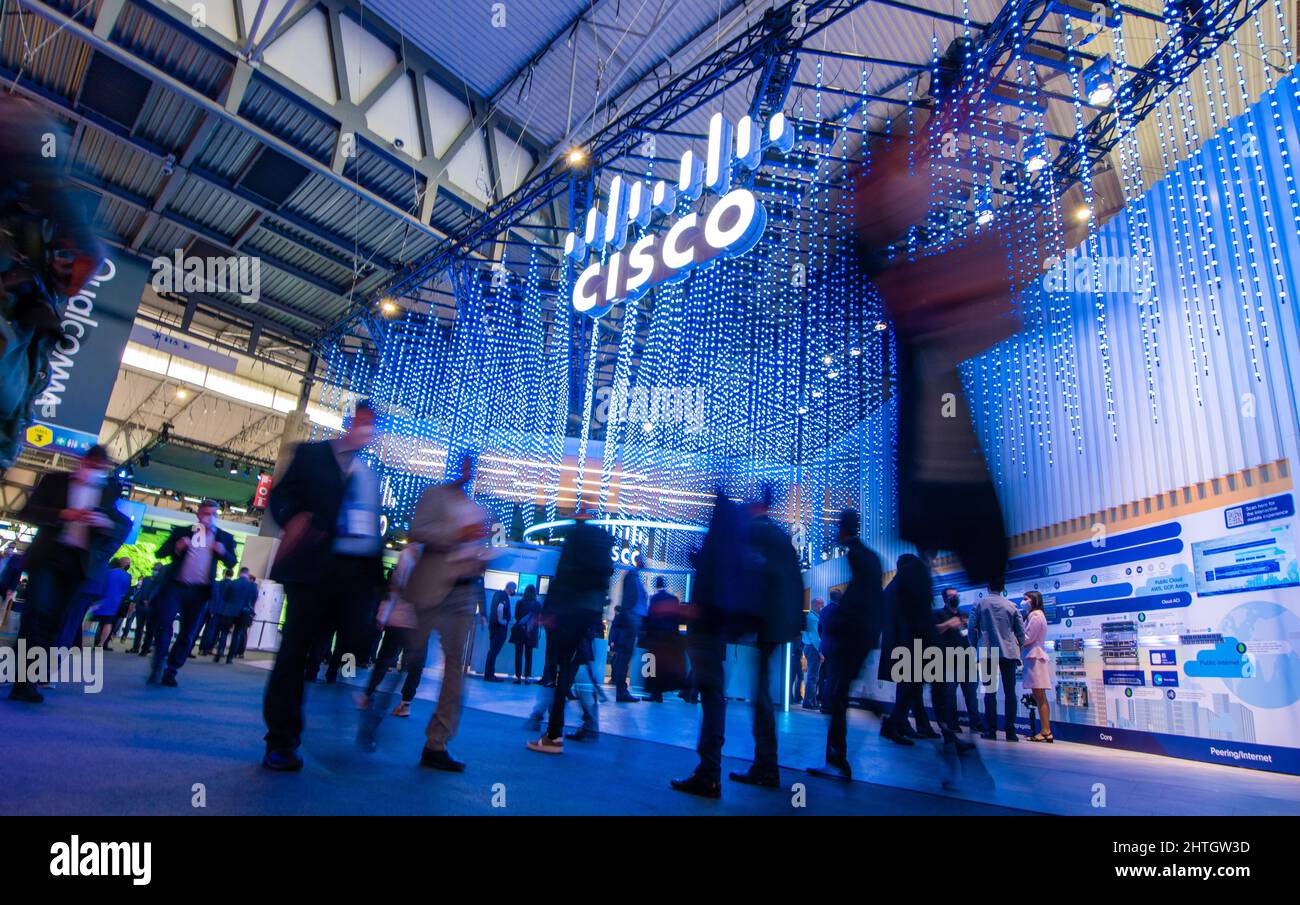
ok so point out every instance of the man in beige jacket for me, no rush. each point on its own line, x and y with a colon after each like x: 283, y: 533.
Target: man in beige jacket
x: 446, y: 587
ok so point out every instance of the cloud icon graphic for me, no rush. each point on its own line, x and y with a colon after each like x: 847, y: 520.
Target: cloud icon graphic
x: 1226, y: 660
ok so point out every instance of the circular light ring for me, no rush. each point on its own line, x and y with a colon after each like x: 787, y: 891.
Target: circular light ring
x: 649, y: 524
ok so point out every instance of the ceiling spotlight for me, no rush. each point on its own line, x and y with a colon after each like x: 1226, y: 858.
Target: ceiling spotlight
x: 1083, y: 213
x: 182, y: 393
x: 1098, y: 83
x: 576, y: 157
x: 984, y: 217
x: 233, y: 468
x: 831, y: 375
x: 1102, y: 95
x: 880, y: 326
x: 816, y: 394
x: 855, y: 352
x: 1036, y: 161
x: 803, y: 410
x: 387, y: 307
x: 827, y: 360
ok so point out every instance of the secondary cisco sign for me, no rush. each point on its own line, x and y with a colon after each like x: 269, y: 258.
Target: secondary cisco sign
x: 731, y: 227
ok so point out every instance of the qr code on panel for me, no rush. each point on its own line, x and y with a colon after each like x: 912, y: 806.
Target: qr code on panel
x: 1236, y: 517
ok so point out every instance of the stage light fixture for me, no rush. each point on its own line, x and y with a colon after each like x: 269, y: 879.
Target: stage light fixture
x: 388, y: 307
x: 1083, y: 213
x: 576, y: 157
x: 1098, y: 83
x: 182, y: 393
x: 218, y: 463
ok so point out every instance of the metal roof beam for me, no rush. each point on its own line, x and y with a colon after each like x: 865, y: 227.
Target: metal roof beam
x: 177, y: 86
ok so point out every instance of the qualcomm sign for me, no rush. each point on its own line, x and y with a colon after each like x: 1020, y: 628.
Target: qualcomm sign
x: 731, y: 227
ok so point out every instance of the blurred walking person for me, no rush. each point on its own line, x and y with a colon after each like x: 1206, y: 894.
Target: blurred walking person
x: 498, y: 629
x: 142, y: 614
x: 524, y: 634
x: 721, y: 611
x: 950, y: 626
x: 238, y: 598
x: 854, y: 628
x: 400, y: 639
x: 998, y: 634
x: 944, y: 306
x: 811, y: 643
x: 662, y: 639
x: 330, y: 561
x: 778, y: 584
x: 907, y: 623
x: 634, y: 605
x: 186, y: 586
x: 446, y: 588
x: 75, y: 515
x: 573, y: 610
x: 826, y: 645
x: 117, y: 582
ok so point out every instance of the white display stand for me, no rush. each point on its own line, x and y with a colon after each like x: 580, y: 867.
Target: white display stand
x: 265, y: 631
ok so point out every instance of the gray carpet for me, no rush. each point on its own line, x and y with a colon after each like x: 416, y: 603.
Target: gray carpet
x: 136, y: 749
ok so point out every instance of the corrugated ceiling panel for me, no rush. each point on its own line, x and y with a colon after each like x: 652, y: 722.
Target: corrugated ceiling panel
x: 465, y: 40
x: 118, y: 163
x: 228, y: 151
x: 171, y: 51
x: 304, y: 128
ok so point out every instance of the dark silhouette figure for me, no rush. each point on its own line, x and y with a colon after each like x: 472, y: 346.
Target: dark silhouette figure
x: 853, y: 631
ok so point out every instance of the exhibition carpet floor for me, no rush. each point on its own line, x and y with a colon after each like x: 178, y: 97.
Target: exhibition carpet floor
x: 137, y: 749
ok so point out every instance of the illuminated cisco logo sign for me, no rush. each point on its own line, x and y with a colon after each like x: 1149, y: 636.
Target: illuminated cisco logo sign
x: 731, y: 227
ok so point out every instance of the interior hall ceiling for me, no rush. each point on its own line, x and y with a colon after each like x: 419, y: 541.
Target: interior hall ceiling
x: 306, y: 134
x: 342, y: 142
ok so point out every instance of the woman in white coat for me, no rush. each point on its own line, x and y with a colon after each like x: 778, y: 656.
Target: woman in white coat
x: 1037, y: 678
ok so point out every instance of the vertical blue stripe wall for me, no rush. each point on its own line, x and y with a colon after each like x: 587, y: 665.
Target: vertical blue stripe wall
x: 1210, y: 405
x: 1040, y: 399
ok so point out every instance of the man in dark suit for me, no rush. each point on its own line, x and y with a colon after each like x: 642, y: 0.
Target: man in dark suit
x: 776, y: 580
x: 907, y: 606
x: 330, y: 561
x: 78, y: 524
x: 238, y: 597
x: 149, y: 588
x: 948, y: 626
x: 185, y: 588
x: 853, y: 630
x: 573, y: 608
x: 498, y: 629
